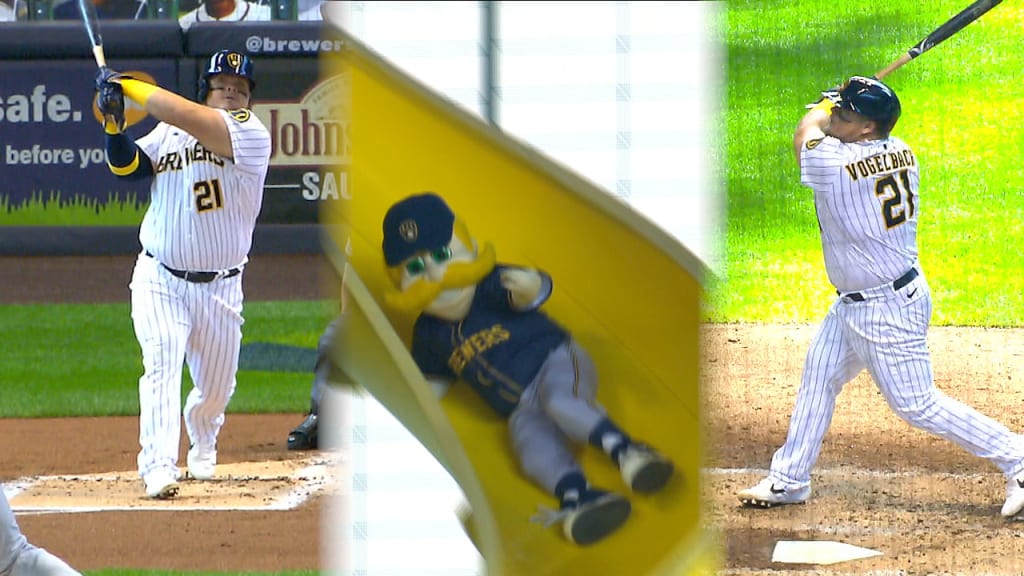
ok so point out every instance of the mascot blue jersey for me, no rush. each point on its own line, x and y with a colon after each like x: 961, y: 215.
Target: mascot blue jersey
x: 496, y: 349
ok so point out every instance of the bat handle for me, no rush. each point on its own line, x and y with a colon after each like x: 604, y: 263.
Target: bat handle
x: 97, y: 52
x: 896, y: 64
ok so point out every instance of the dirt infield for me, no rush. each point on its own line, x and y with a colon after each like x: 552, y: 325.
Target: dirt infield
x: 105, y: 278
x: 927, y: 505
x: 263, y: 514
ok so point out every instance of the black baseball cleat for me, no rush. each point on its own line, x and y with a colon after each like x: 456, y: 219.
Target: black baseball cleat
x: 644, y: 469
x: 305, y: 436
x: 594, y: 517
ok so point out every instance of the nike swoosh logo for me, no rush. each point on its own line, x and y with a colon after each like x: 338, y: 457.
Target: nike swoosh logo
x: 911, y: 293
x: 775, y: 490
x: 1019, y: 483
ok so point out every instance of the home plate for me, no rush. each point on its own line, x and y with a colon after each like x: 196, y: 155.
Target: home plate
x: 819, y: 552
x: 266, y: 485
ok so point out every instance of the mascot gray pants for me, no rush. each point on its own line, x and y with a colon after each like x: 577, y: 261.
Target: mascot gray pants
x: 557, y: 410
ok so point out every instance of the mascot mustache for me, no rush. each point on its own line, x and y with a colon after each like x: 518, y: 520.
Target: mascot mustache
x: 420, y: 294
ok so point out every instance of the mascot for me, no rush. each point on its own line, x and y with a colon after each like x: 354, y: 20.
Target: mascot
x: 480, y: 322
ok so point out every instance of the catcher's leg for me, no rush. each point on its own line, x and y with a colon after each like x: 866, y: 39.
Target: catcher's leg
x: 325, y: 368
x: 35, y: 561
x: 18, y: 557
x: 306, y: 436
x: 12, y: 541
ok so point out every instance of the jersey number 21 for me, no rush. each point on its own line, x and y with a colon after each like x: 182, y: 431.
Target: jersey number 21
x: 897, y: 198
x: 208, y: 195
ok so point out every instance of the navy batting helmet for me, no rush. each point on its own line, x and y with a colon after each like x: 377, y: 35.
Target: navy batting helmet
x: 226, y: 62
x: 871, y: 98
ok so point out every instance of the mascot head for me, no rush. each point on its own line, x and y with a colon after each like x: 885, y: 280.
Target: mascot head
x: 432, y: 260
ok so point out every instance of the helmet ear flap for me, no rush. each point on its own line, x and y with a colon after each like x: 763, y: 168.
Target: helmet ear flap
x: 202, y: 89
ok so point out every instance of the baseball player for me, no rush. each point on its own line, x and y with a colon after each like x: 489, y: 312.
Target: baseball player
x: 18, y: 557
x: 480, y: 322
x: 866, y: 195
x: 208, y: 162
x: 306, y: 436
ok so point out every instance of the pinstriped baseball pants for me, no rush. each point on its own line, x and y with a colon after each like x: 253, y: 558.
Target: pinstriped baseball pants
x: 176, y: 321
x: 886, y: 334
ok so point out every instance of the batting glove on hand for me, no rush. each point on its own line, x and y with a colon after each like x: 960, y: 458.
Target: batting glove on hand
x: 832, y: 95
x: 110, y: 99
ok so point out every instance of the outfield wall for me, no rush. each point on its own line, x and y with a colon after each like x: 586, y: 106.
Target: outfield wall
x: 57, y: 196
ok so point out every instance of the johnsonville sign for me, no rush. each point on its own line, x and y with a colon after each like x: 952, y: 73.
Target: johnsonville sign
x: 310, y: 150
x: 309, y: 131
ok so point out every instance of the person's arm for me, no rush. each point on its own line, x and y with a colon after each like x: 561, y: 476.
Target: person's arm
x: 812, y: 125
x: 124, y: 157
x: 527, y: 288
x: 206, y: 124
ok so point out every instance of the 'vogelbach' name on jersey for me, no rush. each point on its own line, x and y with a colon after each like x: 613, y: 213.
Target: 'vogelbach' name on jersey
x: 496, y: 349
x: 866, y: 198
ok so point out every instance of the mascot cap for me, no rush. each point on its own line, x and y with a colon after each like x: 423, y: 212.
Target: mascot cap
x: 417, y: 223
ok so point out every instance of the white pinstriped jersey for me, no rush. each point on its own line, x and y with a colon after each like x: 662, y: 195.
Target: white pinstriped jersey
x: 866, y: 198
x: 203, y: 208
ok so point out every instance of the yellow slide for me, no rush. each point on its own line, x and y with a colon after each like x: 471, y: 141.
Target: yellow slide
x: 627, y: 291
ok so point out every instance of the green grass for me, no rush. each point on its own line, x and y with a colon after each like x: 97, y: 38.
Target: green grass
x: 56, y: 208
x: 83, y: 360
x: 962, y: 114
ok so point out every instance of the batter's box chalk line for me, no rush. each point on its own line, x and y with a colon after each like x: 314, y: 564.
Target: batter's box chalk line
x: 884, y: 474
x: 316, y: 476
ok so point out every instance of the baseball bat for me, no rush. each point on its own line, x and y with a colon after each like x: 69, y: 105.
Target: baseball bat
x: 92, y: 27
x: 952, y: 26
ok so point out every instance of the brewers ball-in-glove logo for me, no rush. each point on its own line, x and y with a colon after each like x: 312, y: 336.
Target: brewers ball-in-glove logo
x: 234, y: 60
x: 408, y: 230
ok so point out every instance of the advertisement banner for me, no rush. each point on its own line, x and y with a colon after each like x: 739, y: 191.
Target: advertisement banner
x: 54, y: 167
x: 307, y: 136
x: 53, y: 160
x: 57, y: 195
